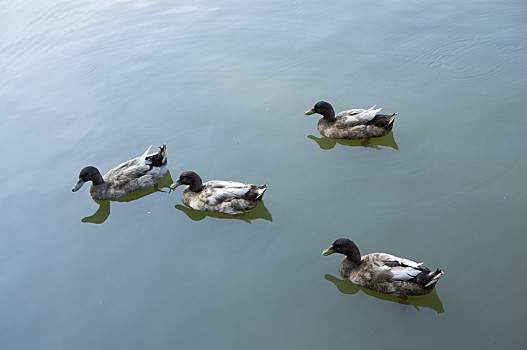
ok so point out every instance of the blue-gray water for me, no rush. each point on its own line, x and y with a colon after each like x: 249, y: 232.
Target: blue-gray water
x: 224, y: 84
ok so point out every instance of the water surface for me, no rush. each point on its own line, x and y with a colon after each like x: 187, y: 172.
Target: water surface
x: 224, y: 85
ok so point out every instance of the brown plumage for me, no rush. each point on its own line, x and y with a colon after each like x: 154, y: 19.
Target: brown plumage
x: 228, y: 197
x: 128, y: 177
x: 384, y: 273
x: 353, y: 124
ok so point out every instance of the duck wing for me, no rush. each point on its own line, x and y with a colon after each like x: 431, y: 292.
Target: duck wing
x: 356, y: 116
x: 390, y: 268
x: 134, y: 168
x: 382, y: 120
x: 221, y: 191
x: 401, y: 270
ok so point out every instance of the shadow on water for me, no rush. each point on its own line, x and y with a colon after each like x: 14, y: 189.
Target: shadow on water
x: 103, y: 212
x: 260, y: 212
x: 430, y: 300
x: 326, y: 143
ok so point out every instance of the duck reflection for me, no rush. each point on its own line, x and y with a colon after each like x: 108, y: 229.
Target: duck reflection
x: 259, y: 212
x: 377, y: 142
x: 103, y: 212
x: 430, y: 300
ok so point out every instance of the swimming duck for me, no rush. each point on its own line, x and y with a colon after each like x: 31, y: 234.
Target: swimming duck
x: 384, y: 273
x: 355, y: 124
x: 128, y: 177
x: 222, y: 196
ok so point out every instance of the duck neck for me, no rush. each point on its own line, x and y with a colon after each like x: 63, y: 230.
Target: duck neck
x: 353, y: 255
x: 97, y: 180
x: 196, y: 186
x: 329, y: 116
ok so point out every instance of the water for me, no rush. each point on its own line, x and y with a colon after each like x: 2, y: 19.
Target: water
x: 225, y: 85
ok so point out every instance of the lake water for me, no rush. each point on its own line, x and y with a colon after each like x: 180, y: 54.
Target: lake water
x: 225, y: 84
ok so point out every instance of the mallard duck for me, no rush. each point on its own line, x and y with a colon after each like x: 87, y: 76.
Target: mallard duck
x: 128, y: 177
x: 222, y: 196
x: 355, y: 124
x: 384, y: 273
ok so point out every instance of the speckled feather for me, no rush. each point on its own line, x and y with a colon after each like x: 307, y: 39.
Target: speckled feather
x: 353, y: 124
x: 131, y: 176
x: 228, y: 197
x: 356, y: 126
x: 390, y: 274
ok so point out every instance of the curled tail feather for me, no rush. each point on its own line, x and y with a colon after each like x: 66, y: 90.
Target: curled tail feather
x: 256, y: 192
x: 392, y: 118
x: 260, y: 190
x: 434, y: 277
x: 158, y: 159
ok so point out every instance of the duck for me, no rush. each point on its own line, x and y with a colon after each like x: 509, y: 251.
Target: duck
x: 229, y: 197
x: 354, y: 124
x: 382, y: 272
x: 128, y: 177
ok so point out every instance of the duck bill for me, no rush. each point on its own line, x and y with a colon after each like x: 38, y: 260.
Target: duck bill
x: 77, y: 186
x: 311, y: 111
x: 175, y: 185
x: 328, y: 251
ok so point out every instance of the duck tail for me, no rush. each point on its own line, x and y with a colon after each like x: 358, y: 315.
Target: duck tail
x: 434, y: 277
x: 260, y: 190
x: 391, y: 118
x: 158, y: 159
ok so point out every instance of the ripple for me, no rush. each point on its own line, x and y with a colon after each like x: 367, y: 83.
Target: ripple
x: 493, y: 49
x: 88, y: 68
x: 162, y: 27
x: 181, y: 9
x: 435, y: 64
x: 56, y: 12
x: 466, y: 58
x: 512, y: 48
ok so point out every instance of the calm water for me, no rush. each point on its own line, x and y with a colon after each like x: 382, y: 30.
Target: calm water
x: 224, y: 84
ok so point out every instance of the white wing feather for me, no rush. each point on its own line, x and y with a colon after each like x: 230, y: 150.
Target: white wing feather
x: 133, y: 168
x: 141, y: 160
x: 361, y: 115
x: 403, y: 261
x: 220, y: 191
x: 403, y: 273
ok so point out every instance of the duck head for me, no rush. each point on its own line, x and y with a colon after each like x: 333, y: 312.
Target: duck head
x: 344, y: 246
x: 323, y: 108
x: 189, y: 178
x: 89, y: 173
